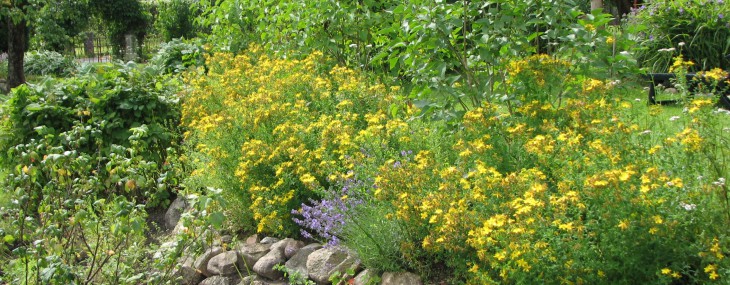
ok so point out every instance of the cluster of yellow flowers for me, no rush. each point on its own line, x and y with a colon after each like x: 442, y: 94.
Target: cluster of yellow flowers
x: 538, y: 192
x: 285, y: 128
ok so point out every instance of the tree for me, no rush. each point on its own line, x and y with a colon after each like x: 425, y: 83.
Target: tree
x: 14, y: 13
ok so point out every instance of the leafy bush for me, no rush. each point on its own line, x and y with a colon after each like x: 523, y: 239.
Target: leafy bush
x: 87, y: 156
x: 700, y: 25
x: 176, y: 19
x: 48, y: 63
x: 454, y: 53
x: 177, y: 55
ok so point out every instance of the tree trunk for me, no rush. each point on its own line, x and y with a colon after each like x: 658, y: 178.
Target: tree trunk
x: 17, y: 41
x: 596, y: 4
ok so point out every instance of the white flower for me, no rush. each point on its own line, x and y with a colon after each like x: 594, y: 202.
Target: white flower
x: 666, y: 49
x: 674, y: 118
x: 681, y: 44
x: 688, y: 207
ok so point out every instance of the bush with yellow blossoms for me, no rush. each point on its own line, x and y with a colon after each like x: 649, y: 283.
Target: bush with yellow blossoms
x: 571, y: 188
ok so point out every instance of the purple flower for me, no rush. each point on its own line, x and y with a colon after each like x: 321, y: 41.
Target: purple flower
x: 326, y: 218
x: 720, y: 16
x: 681, y: 10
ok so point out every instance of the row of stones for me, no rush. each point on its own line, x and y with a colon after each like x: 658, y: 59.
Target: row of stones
x: 258, y: 262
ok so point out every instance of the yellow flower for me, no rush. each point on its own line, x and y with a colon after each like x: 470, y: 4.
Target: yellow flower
x: 666, y: 271
x: 623, y: 224
x: 610, y: 40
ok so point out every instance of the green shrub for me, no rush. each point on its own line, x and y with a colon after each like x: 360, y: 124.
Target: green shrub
x: 700, y: 26
x: 176, y: 19
x: 86, y: 156
x: 48, y: 63
x: 177, y: 55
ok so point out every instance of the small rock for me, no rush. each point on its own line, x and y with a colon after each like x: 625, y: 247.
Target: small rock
x: 164, y: 249
x: 217, y: 280
x: 224, y: 264
x: 367, y: 276
x: 254, y: 239
x: 172, y: 216
x: 289, y: 246
x: 226, y: 239
x: 251, y: 253
x: 186, y: 273
x: 298, y: 262
x: 258, y: 280
x: 325, y: 262
x: 265, y: 265
x: 269, y: 240
x: 201, y: 263
x: 400, y: 278
x: 671, y: 90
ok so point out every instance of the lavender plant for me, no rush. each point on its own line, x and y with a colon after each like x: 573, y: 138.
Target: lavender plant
x: 326, y: 218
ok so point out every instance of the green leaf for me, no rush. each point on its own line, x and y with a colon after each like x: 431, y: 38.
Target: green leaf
x: 9, y: 239
x: 216, y: 219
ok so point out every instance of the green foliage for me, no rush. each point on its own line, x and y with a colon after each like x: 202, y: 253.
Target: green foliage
x: 294, y: 277
x: 58, y: 23
x: 121, y: 18
x: 178, y: 55
x: 699, y: 25
x: 175, y: 19
x: 105, y: 107
x: 48, y: 63
x: 86, y: 157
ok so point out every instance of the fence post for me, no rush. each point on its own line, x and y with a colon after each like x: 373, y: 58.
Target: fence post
x: 89, y: 44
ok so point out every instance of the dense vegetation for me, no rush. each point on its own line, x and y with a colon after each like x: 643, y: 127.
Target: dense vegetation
x: 470, y: 142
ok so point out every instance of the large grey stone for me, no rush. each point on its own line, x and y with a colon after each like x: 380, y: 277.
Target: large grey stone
x: 298, y: 262
x: 251, y: 253
x: 365, y: 277
x: 289, y: 246
x: 217, y: 280
x: 400, y: 278
x: 224, y: 264
x: 265, y: 265
x: 172, y: 216
x: 325, y: 262
x: 201, y: 263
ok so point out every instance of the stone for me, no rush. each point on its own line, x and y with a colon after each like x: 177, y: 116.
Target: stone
x: 186, y: 273
x: 253, y: 239
x: 400, y: 278
x: 258, y: 280
x: 325, y: 262
x: 164, y: 249
x: 365, y: 277
x: 269, y: 240
x: 201, y: 263
x: 265, y: 265
x: 224, y: 264
x: 289, y: 246
x: 217, y: 280
x: 172, y: 216
x: 298, y: 262
x: 251, y: 253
